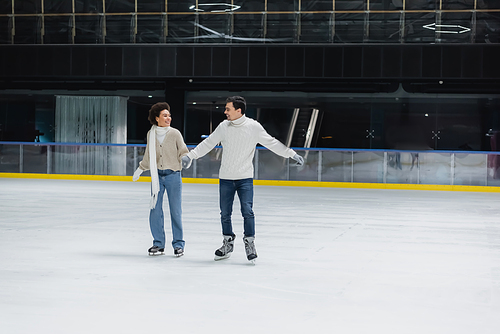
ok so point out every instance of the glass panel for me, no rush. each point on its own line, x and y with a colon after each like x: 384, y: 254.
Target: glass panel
x: 57, y: 29
x: 488, y: 27
x: 27, y: 30
x: 402, y: 167
x: 470, y: 169
x: 191, y: 171
x: 384, y: 27
x: 282, y: 6
x: 57, y: 6
x: 9, y: 158
x: 493, y: 169
x: 319, y: 5
x: 460, y: 4
x: 307, y: 172
x: 120, y: 6
x: 132, y: 163
x: 149, y: 29
x: 346, y: 5
x: 5, y: 31
x: 114, y: 162
x: 281, y: 28
x: 272, y: 166
x: 90, y: 160
x: 88, y: 6
x: 349, y: 28
x: 34, y: 159
x: 5, y: 7
x: 315, y: 28
x: 248, y: 28
x: 435, y: 168
x: 88, y: 30
x: 209, y: 165
x: 180, y: 5
x: 181, y: 28
x: 151, y: 6
x: 63, y: 160
x: 490, y: 4
x: 455, y: 27
x: 119, y: 29
x: 415, y: 32
x: 418, y: 4
x: 213, y: 28
x: 337, y: 166
x: 385, y: 4
x: 368, y: 167
x: 27, y: 7
x: 250, y: 5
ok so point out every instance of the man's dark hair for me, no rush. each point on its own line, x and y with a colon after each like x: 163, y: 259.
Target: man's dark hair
x: 238, y: 103
x: 156, y: 110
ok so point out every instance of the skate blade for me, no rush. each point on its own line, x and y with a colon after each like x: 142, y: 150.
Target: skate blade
x: 156, y: 254
x: 252, y: 262
x: 218, y: 258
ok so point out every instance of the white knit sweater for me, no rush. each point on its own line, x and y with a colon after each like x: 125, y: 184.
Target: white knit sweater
x: 238, y: 139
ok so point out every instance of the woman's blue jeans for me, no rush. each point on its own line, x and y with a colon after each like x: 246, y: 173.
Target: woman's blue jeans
x: 170, y: 181
x: 244, y: 188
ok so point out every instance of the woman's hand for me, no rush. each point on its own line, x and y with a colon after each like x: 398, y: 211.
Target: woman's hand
x: 137, y: 174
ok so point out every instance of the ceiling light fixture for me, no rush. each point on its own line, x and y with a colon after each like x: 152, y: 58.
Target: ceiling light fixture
x: 449, y: 28
x: 215, y: 7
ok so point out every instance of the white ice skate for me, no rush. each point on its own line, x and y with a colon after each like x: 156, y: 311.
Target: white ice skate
x: 226, y: 249
x: 155, y: 250
x: 250, y: 249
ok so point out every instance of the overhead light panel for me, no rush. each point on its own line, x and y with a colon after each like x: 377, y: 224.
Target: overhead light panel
x: 219, y: 7
x: 447, y: 28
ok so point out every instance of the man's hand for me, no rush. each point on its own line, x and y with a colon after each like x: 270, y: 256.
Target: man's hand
x: 137, y: 174
x: 299, y: 159
x: 186, y: 162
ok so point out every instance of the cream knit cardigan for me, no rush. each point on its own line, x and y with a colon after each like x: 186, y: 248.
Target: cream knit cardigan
x: 168, y: 153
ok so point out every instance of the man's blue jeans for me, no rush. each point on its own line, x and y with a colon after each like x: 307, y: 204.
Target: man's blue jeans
x: 170, y: 181
x: 244, y: 188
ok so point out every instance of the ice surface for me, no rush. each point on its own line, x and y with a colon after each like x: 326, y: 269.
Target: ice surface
x: 74, y: 260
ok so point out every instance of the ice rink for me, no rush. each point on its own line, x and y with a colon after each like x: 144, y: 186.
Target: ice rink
x: 74, y: 260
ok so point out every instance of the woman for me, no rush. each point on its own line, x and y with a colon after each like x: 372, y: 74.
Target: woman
x: 164, y: 150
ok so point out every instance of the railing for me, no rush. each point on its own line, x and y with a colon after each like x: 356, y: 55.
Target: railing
x: 323, y: 165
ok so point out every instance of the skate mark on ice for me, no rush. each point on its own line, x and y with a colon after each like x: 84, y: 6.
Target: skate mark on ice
x: 350, y: 229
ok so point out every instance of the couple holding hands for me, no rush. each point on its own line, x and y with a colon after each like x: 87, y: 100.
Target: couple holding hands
x: 166, y: 154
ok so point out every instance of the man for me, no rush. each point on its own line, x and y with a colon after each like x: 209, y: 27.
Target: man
x: 238, y: 136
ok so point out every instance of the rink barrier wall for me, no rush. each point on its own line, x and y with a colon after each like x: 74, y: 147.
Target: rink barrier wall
x: 323, y: 167
x: 279, y: 183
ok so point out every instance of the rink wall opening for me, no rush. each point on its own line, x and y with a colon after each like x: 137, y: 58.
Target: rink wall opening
x: 344, y: 168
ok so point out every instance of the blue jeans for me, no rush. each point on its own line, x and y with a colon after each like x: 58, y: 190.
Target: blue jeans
x: 244, y: 188
x: 170, y: 181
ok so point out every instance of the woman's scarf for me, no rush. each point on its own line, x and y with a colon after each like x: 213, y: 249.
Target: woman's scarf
x: 153, y: 168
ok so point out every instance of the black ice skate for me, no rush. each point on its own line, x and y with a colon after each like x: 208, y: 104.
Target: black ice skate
x: 227, y: 248
x: 250, y: 249
x: 155, y: 250
x: 178, y: 252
